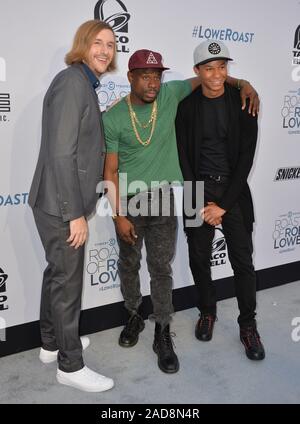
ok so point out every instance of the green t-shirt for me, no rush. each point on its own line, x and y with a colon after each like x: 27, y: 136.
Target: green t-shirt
x: 158, y: 161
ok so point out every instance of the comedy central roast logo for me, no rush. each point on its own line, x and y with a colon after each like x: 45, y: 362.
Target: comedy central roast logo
x: 290, y: 112
x: 218, y: 251
x: 114, y: 12
x: 286, y: 233
x: 102, y: 265
x: 111, y: 91
x: 3, y: 296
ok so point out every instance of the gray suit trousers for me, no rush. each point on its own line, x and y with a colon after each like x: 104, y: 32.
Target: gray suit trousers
x: 61, y: 291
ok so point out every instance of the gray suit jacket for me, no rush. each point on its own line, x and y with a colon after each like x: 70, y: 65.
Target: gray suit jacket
x: 71, y: 158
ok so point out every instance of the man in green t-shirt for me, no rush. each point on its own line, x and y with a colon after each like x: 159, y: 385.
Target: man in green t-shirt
x: 141, y: 165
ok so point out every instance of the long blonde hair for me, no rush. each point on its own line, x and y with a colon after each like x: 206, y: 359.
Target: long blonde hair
x: 83, y: 40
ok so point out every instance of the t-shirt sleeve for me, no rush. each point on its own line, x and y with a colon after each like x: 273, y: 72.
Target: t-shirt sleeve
x: 180, y: 89
x: 110, y: 133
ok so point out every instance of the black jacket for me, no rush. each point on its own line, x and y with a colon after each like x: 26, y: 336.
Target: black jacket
x: 242, y: 137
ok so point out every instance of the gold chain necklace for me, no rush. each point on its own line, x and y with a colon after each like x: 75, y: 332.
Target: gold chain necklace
x: 144, y: 126
x: 135, y: 120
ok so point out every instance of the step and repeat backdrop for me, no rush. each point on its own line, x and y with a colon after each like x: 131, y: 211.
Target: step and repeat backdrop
x: 264, y: 41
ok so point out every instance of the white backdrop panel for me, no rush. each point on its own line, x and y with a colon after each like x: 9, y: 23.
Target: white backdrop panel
x: 35, y: 37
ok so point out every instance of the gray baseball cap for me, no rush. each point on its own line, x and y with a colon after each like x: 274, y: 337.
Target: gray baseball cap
x: 210, y: 50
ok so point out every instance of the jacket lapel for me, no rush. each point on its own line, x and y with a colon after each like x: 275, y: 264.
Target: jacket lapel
x: 93, y: 93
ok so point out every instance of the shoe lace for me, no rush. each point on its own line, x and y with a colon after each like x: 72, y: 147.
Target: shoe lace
x: 167, y: 339
x: 206, y: 321
x: 133, y: 324
x: 252, y: 337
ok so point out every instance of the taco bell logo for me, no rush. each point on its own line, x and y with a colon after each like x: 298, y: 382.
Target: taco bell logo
x: 296, y: 51
x: 114, y: 12
x: 218, y: 253
x: 2, y: 70
x: 3, y: 297
x: 296, y: 56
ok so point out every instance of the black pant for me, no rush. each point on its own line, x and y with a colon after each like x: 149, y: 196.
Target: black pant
x: 240, y: 249
x: 61, y: 292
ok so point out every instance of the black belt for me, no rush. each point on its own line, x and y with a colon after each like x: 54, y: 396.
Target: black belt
x: 216, y: 178
x: 149, y: 194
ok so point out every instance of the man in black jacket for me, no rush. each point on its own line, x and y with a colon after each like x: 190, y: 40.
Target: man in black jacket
x: 216, y: 143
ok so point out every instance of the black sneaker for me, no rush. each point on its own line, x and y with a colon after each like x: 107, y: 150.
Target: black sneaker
x: 204, y: 327
x: 163, y: 347
x: 130, y: 333
x: 253, y: 346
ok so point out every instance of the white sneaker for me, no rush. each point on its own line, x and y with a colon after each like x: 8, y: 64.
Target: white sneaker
x: 85, y: 379
x: 46, y: 356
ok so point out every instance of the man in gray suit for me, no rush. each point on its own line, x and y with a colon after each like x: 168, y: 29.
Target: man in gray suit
x: 63, y: 194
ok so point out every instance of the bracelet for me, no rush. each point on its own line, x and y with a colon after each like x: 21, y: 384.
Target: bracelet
x: 115, y: 216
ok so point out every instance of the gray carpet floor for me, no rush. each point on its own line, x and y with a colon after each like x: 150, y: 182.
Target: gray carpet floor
x: 213, y: 372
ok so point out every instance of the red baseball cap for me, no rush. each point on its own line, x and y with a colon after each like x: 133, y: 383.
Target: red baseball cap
x: 143, y: 59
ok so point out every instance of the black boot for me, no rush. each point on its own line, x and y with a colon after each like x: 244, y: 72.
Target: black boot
x: 253, y: 346
x: 130, y: 333
x: 163, y: 347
